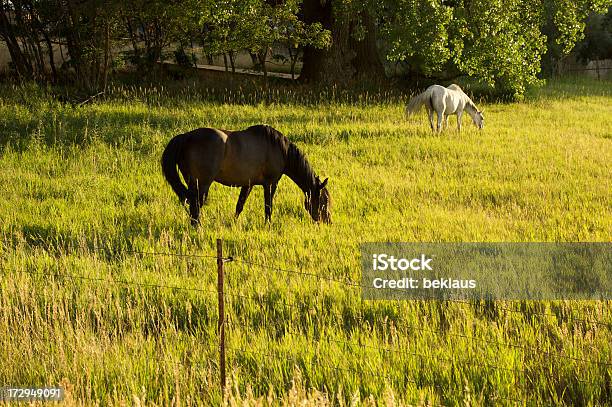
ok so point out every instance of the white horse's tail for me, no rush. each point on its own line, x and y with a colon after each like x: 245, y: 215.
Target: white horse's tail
x: 418, y: 101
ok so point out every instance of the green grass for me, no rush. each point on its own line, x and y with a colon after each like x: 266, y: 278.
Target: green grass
x: 74, y: 179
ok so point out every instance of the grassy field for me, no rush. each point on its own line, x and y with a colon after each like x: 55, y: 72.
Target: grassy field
x: 81, y: 190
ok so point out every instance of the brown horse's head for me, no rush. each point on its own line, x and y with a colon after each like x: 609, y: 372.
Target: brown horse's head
x: 318, y: 202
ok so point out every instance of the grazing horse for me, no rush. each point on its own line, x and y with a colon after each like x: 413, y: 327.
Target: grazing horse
x: 259, y: 155
x: 445, y: 101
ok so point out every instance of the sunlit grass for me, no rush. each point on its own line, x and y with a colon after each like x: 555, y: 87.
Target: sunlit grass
x: 78, y: 179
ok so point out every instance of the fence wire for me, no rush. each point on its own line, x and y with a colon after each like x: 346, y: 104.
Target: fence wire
x: 354, y: 284
x: 291, y: 305
x: 412, y: 327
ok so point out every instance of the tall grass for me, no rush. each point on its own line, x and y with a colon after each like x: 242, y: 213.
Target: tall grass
x: 81, y: 186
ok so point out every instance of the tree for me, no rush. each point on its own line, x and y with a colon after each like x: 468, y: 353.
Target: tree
x: 564, y: 24
x: 89, y: 29
x: 597, y: 43
x: 86, y: 28
x: 354, y: 50
x: 154, y: 25
x: 297, y: 34
x: 27, y: 28
x: 255, y: 25
x: 499, y: 42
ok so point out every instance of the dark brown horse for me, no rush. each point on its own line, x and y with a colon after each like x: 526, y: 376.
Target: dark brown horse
x: 259, y: 155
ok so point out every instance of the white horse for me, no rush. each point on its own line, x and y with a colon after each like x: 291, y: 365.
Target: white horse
x: 445, y: 101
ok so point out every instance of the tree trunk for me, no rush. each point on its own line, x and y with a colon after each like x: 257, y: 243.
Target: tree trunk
x: 367, y: 62
x: 293, y: 57
x: 50, y: 55
x: 75, y: 45
x: 262, y: 60
x: 254, y: 59
x: 346, y: 58
x: 107, y: 56
x: 232, y: 57
x: 134, y: 40
x: 316, y: 11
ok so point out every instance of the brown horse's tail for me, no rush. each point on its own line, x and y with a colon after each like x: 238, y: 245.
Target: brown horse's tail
x: 169, y: 162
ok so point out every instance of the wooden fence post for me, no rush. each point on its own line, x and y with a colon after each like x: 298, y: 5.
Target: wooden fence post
x: 221, y: 324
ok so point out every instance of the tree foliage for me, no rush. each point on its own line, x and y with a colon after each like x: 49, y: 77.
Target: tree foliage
x: 255, y: 25
x: 153, y: 26
x: 94, y: 31
x: 500, y: 42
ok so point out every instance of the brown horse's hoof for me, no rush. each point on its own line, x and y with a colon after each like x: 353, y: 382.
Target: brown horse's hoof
x: 195, y: 223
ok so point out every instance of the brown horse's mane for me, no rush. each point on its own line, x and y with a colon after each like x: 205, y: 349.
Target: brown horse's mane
x: 297, y: 166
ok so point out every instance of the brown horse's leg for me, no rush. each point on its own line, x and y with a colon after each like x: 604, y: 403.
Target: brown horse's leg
x: 194, y: 209
x: 269, y: 191
x: 244, y: 194
x: 197, y: 196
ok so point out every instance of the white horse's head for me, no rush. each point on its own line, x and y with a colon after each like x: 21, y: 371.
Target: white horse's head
x: 478, y: 119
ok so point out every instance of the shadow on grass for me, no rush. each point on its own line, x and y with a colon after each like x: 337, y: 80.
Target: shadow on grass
x: 143, y: 131
x: 111, y: 248
x: 67, y: 127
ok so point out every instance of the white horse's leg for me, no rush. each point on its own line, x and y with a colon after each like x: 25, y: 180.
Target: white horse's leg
x: 440, y: 121
x: 446, y: 121
x: 459, y: 114
x: 431, y: 121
